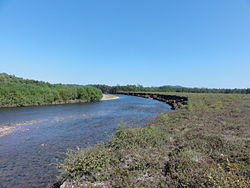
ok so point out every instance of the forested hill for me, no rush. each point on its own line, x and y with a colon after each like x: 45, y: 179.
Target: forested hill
x: 139, y: 88
x: 16, y: 91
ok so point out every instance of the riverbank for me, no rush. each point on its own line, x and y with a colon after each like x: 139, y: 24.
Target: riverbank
x: 9, y: 128
x: 46, y: 132
x: 203, y: 144
x: 174, y: 101
x: 106, y: 97
x: 19, y: 92
x: 75, y: 101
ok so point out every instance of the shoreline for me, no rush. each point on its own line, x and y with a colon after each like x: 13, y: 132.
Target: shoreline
x: 8, y: 129
x: 175, y: 101
x: 76, y: 101
x: 199, y: 138
x: 107, y: 97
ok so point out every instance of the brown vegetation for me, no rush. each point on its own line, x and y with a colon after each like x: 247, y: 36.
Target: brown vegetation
x: 204, y: 144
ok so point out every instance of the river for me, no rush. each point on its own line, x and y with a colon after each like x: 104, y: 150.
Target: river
x: 29, y: 154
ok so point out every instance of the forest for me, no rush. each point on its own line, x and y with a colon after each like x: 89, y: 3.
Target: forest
x: 140, y: 88
x: 16, y: 91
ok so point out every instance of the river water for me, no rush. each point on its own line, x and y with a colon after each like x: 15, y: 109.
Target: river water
x: 43, y: 134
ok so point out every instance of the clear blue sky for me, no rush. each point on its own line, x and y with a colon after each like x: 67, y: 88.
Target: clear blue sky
x: 195, y: 43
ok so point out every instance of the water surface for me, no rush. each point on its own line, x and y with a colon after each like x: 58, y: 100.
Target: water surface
x: 43, y: 134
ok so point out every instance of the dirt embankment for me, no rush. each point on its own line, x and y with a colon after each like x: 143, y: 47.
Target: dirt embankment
x: 175, y: 101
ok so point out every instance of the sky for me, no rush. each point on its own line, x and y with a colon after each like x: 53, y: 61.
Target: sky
x: 192, y: 43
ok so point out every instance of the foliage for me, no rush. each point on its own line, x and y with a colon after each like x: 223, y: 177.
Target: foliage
x: 140, y: 88
x: 190, y: 106
x: 79, y: 163
x: 21, y: 92
x: 163, y: 117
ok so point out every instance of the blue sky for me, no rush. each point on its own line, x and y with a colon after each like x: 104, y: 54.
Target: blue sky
x: 195, y: 43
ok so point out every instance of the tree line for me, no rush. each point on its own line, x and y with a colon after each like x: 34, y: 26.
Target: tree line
x: 16, y: 91
x: 140, y: 88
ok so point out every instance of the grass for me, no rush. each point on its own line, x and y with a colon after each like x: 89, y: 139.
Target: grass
x: 203, y: 144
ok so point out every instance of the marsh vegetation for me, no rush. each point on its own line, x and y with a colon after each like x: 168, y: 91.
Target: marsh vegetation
x: 204, y: 144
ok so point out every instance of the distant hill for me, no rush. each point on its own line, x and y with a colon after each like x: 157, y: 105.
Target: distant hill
x: 15, y: 91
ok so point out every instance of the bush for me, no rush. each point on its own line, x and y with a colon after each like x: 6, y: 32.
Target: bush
x: 85, y: 164
x: 19, y: 92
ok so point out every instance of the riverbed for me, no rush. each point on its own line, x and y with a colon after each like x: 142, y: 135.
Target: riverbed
x: 40, y: 136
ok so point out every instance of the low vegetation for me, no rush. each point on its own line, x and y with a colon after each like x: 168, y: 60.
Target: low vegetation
x: 21, y: 92
x: 203, y: 144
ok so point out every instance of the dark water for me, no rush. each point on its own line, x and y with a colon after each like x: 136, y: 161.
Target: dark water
x: 28, y: 155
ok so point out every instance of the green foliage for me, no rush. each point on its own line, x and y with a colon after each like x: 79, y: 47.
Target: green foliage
x: 163, y: 117
x: 216, y: 105
x: 80, y: 164
x: 140, y: 88
x: 20, y: 92
x: 190, y: 106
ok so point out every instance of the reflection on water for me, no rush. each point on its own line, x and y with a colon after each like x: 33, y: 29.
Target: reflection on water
x: 42, y: 135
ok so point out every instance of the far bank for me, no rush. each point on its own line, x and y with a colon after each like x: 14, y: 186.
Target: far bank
x: 19, y: 92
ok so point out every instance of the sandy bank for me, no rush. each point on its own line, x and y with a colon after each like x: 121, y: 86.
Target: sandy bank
x: 108, y: 97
